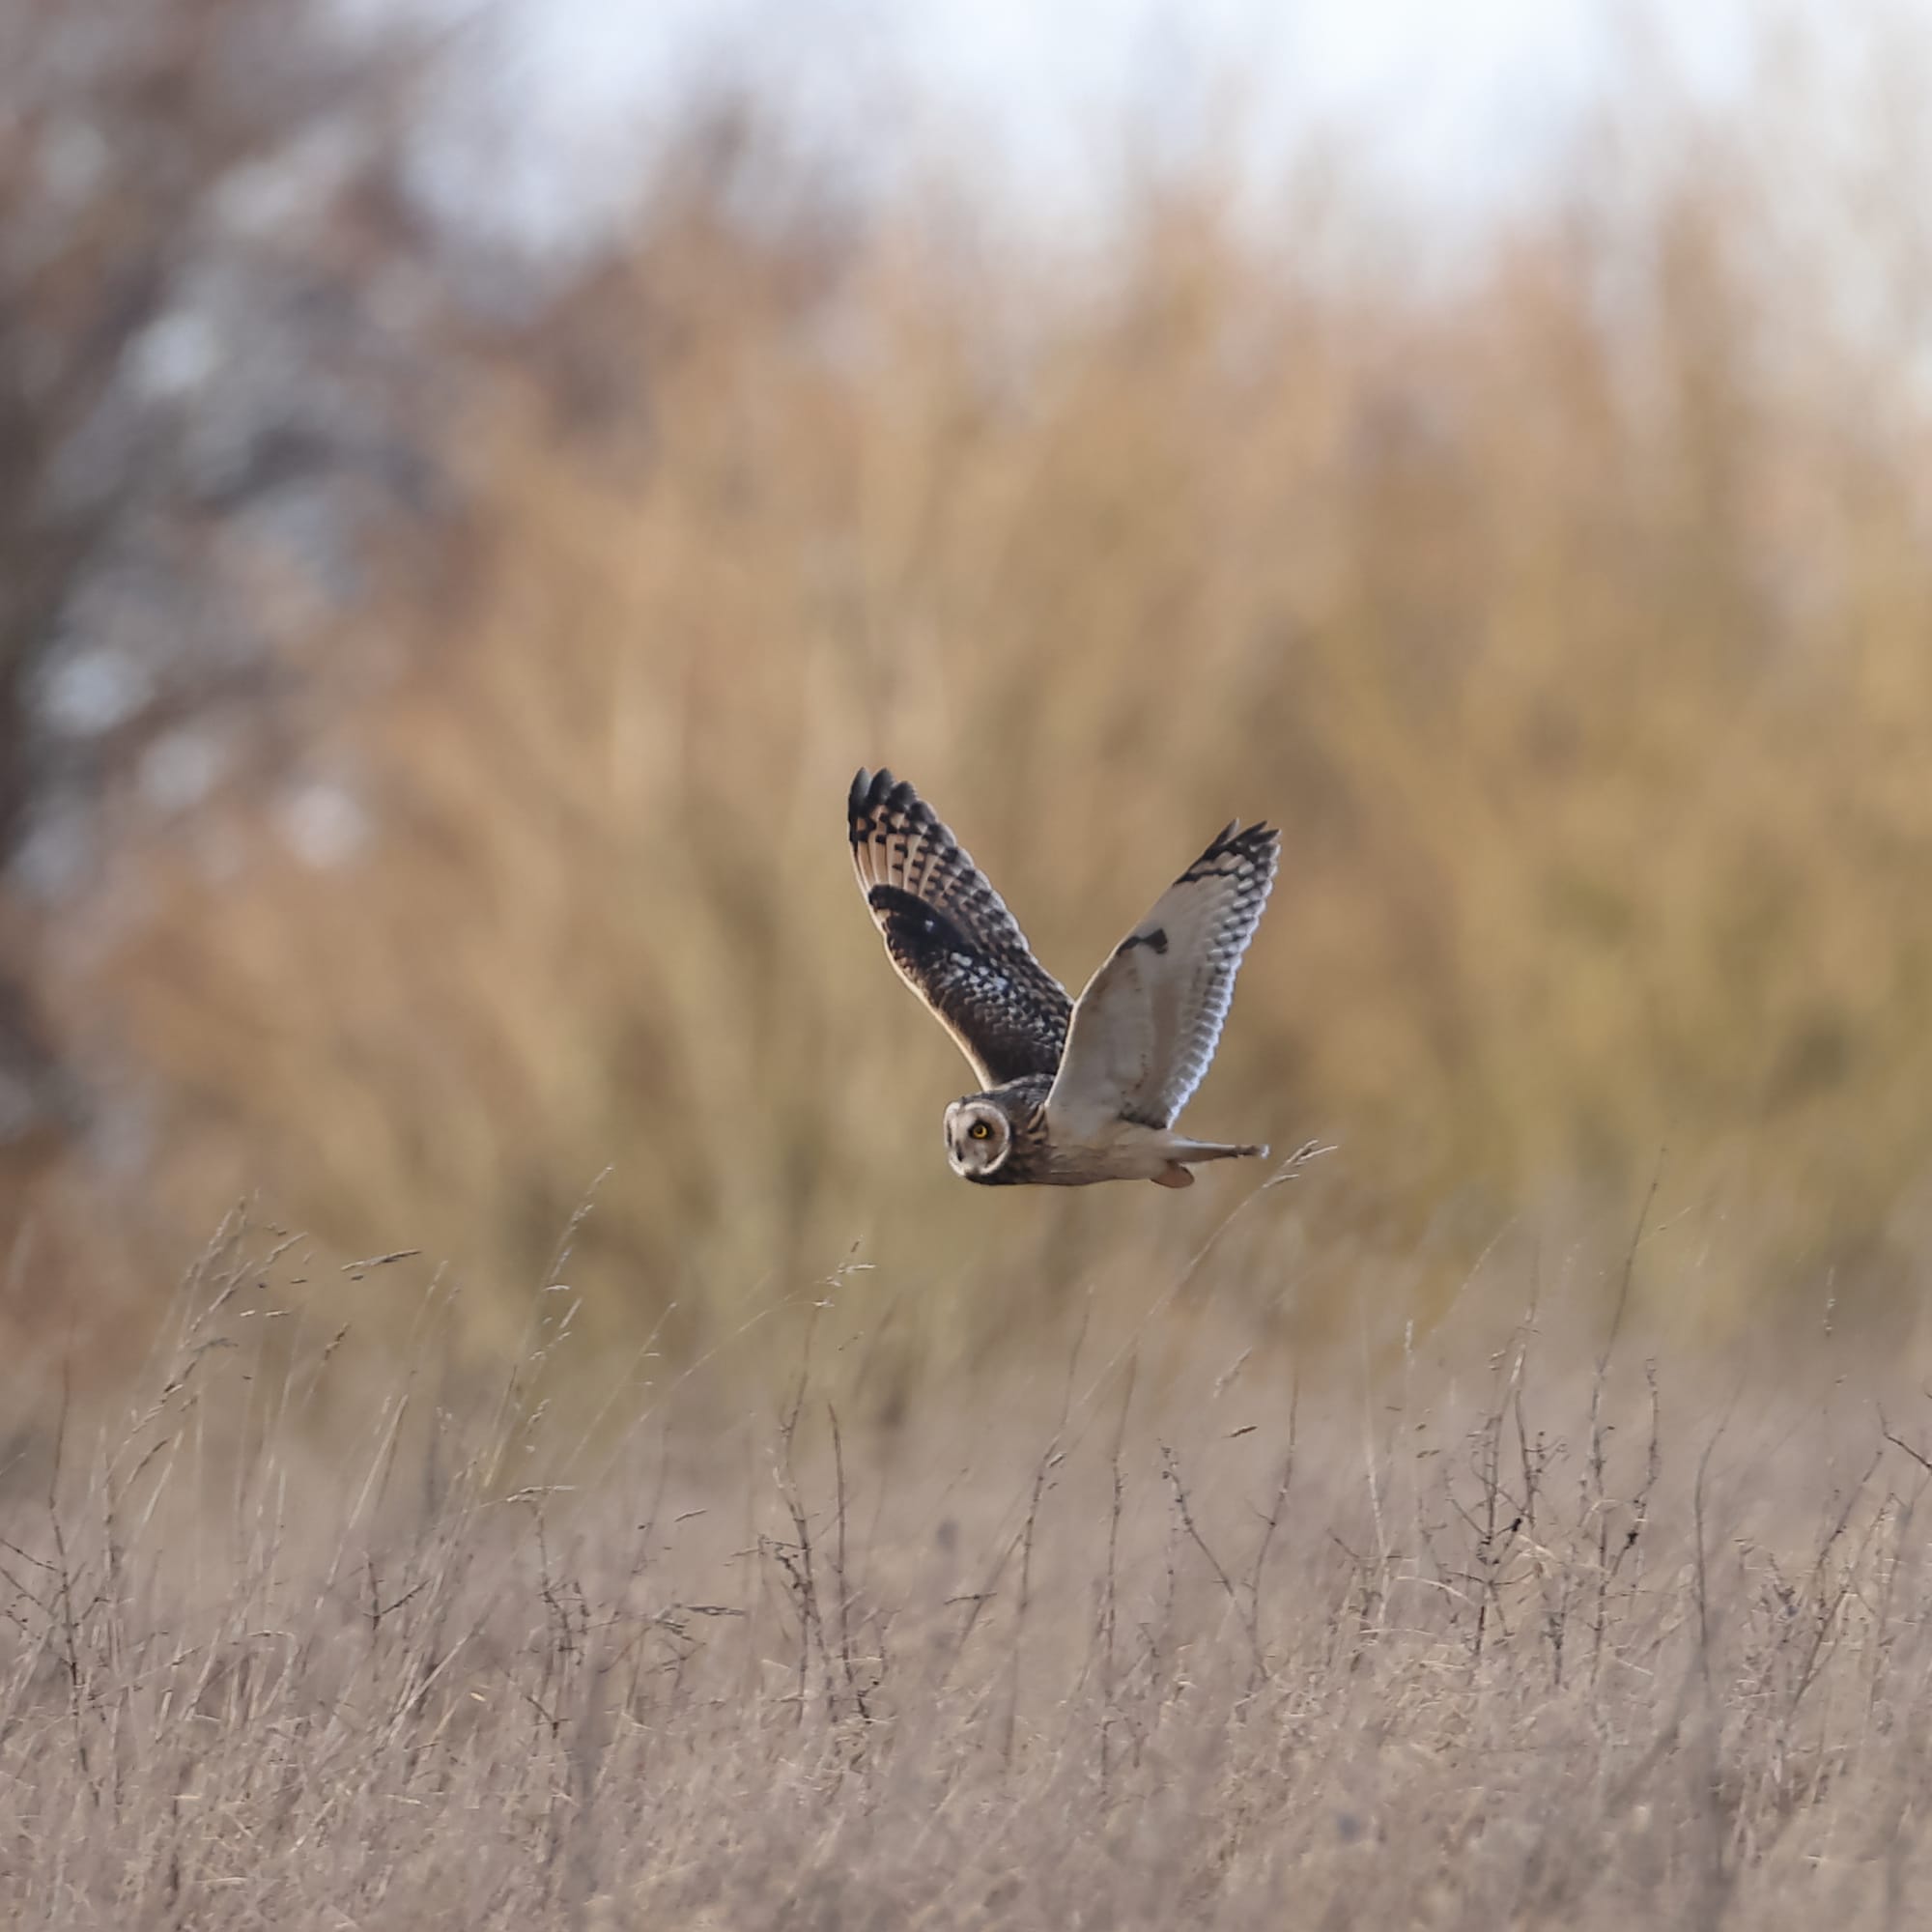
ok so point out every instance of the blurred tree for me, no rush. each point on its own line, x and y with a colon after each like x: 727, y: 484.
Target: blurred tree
x: 212, y: 340
x: 217, y: 405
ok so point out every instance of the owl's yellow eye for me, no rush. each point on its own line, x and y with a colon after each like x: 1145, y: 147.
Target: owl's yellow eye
x: 978, y: 1130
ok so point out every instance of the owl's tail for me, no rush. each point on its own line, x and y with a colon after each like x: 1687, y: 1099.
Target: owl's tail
x: 1181, y: 1153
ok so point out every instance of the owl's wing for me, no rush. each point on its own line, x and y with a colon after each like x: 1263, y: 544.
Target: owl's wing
x: 1148, y: 1024
x: 950, y: 935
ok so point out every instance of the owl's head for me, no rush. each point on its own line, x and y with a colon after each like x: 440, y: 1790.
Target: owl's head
x: 979, y: 1137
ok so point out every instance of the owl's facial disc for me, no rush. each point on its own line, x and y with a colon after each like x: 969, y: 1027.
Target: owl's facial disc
x: 977, y: 1138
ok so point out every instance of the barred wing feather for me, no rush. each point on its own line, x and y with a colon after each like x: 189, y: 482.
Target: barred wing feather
x: 950, y: 936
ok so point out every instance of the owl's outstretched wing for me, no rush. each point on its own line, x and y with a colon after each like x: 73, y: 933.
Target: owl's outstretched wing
x: 1147, y: 1025
x: 950, y: 935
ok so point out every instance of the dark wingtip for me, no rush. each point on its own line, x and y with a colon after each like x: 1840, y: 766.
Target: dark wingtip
x: 877, y: 792
x: 1254, y: 843
x: 1255, y: 838
x: 871, y: 791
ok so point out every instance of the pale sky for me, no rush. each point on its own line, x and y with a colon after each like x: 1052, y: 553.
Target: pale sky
x: 1459, y: 103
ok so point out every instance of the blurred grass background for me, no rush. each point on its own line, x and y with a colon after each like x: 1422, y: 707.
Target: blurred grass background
x: 1569, y: 606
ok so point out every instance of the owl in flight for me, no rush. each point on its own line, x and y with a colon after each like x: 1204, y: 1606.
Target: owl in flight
x: 1074, y: 1093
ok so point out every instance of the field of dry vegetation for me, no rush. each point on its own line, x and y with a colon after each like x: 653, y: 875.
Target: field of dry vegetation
x: 698, y: 1509
x: 1144, y: 1636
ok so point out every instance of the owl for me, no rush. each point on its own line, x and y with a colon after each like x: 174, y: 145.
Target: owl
x: 1071, y: 1093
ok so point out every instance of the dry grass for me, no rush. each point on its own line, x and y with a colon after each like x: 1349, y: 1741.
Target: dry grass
x: 308, y: 1638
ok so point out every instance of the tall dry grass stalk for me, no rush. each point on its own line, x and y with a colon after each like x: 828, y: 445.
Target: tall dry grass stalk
x: 1569, y: 614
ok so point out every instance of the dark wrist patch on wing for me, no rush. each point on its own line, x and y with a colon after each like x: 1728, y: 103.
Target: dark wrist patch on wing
x: 914, y: 924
